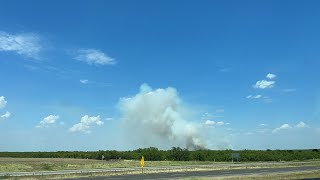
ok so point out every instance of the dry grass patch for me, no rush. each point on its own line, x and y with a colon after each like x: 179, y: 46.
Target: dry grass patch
x: 54, y: 164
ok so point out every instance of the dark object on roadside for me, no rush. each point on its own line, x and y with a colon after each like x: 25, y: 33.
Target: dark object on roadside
x: 235, y: 156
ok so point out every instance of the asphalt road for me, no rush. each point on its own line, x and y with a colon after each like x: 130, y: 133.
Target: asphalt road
x: 213, y: 173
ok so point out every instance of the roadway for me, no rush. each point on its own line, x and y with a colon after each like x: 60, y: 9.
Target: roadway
x: 197, y: 174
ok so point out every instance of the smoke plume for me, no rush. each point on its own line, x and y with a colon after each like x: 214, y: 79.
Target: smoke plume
x: 156, y: 118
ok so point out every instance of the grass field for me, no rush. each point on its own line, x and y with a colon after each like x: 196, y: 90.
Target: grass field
x: 55, y: 164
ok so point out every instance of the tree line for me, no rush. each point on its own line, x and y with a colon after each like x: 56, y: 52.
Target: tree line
x: 176, y: 154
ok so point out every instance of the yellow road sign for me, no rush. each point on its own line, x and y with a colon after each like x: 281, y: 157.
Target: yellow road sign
x: 142, y: 162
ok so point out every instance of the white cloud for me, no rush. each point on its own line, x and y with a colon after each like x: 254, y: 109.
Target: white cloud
x: 94, y: 56
x: 84, y: 81
x: 287, y: 126
x: 210, y: 123
x: 6, y: 115
x: 47, y: 121
x: 23, y: 44
x: 220, y: 123
x: 258, y: 96
x: 271, y: 76
x: 262, y: 124
x: 264, y: 84
x: 3, y: 102
x: 301, y: 125
x: 283, y: 127
x: 85, y: 123
x: 94, y: 83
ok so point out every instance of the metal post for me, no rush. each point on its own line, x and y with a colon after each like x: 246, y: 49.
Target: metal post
x: 142, y: 173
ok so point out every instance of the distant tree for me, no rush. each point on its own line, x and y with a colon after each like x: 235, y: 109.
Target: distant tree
x: 178, y: 154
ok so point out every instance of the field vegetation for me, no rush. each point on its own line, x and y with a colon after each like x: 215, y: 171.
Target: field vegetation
x: 176, y: 154
x: 54, y: 164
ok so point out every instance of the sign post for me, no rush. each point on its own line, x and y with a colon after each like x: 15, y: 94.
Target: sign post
x: 235, y: 156
x: 142, y: 164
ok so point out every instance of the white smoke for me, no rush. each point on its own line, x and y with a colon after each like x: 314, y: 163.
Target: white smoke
x: 157, y: 118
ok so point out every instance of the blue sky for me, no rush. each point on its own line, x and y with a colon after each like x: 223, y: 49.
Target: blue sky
x: 80, y: 75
